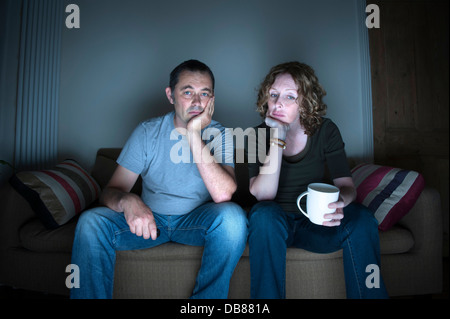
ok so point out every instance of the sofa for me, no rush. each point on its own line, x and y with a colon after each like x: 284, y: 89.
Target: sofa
x: 35, y: 258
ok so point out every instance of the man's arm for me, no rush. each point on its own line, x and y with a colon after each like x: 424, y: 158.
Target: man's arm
x: 219, y: 180
x: 117, y: 196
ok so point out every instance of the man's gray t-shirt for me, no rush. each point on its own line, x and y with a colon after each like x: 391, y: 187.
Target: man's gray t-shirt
x: 171, y: 182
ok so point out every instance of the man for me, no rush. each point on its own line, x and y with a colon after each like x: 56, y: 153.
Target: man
x: 184, y: 201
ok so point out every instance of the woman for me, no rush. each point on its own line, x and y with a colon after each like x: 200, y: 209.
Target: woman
x: 302, y: 148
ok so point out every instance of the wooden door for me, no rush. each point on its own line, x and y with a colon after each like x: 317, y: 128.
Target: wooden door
x: 410, y: 80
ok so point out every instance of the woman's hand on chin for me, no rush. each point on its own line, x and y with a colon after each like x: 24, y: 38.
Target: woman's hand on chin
x: 281, y: 127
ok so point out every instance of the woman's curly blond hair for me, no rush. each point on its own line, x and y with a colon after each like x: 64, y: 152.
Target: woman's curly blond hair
x: 312, y: 108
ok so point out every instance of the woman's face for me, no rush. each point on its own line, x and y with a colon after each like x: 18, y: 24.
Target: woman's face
x: 283, y: 104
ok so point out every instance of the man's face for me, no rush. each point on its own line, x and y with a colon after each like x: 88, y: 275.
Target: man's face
x: 190, y: 96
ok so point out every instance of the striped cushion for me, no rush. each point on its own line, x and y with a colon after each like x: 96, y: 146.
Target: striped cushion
x: 57, y: 195
x: 388, y: 192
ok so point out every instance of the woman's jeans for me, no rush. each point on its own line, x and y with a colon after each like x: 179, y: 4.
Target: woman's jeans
x: 220, y: 228
x: 272, y: 230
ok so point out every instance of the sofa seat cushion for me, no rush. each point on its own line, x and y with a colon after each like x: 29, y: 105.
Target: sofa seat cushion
x: 36, y: 237
x: 174, y: 251
x: 165, y: 252
x: 396, y: 240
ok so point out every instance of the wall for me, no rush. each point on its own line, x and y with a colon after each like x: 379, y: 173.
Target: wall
x: 115, y: 67
x: 9, y: 51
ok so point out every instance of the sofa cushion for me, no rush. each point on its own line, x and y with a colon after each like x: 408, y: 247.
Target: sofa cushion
x: 57, y: 195
x: 36, y: 237
x: 396, y: 240
x: 105, y: 165
x: 388, y: 192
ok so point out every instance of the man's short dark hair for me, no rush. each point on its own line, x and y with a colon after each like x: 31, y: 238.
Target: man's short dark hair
x: 190, y: 65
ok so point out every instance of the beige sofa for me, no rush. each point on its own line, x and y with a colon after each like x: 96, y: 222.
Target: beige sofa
x: 35, y: 258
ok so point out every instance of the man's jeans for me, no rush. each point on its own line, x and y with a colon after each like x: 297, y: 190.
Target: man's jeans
x: 272, y: 230
x: 220, y: 228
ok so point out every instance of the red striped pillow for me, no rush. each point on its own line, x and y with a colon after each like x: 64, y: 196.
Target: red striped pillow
x: 57, y: 195
x: 388, y: 192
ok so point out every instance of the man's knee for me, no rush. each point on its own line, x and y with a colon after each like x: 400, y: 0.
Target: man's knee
x: 92, y: 221
x: 232, y: 220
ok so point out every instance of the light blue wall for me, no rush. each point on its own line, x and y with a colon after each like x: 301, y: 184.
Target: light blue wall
x: 114, y: 69
x: 10, y: 11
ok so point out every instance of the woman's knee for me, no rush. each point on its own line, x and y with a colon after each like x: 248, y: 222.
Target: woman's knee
x: 267, y: 218
x: 265, y: 212
x: 361, y: 217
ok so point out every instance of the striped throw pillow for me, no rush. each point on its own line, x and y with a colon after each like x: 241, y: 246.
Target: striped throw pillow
x: 57, y: 195
x: 388, y: 192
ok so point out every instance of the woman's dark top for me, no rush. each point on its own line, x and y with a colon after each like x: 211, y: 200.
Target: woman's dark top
x: 322, y: 160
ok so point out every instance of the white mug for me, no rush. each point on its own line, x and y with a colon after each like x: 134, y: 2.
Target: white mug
x: 319, y: 196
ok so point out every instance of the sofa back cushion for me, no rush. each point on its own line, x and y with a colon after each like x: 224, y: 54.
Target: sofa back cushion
x: 58, y: 194
x: 105, y: 165
x: 388, y: 192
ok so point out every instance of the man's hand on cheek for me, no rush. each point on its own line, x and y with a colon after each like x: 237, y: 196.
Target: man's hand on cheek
x: 199, y: 122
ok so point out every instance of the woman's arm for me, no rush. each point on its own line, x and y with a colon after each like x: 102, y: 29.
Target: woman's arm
x: 264, y: 186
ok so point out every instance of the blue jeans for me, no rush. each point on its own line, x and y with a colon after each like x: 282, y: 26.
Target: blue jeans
x: 272, y: 230
x: 220, y: 228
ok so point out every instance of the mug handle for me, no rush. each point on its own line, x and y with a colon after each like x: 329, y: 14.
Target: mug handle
x: 299, y: 198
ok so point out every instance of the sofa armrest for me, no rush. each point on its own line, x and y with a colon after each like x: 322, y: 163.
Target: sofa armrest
x: 14, y: 213
x: 425, y: 223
